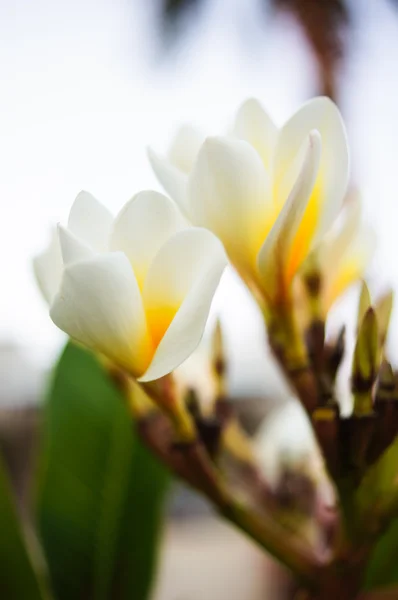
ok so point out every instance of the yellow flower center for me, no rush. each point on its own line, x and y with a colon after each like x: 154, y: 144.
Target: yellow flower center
x: 305, y: 232
x: 159, y: 319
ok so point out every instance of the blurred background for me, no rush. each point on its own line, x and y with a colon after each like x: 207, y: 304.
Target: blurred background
x: 88, y: 85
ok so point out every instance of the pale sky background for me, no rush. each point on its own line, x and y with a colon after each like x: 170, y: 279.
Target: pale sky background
x: 86, y: 87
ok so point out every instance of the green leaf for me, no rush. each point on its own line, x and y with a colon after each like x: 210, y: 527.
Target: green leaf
x: 139, y: 538
x: 382, y: 570
x: 377, y: 495
x: 18, y: 579
x: 101, y: 492
x: 377, y: 505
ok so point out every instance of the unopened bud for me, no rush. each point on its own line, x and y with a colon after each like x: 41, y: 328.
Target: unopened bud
x: 386, y: 385
x: 383, y: 309
x: 386, y: 407
x: 364, y: 303
x: 365, y: 363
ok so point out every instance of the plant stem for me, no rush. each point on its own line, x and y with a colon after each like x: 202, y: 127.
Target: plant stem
x: 162, y: 392
x: 192, y: 463
x: 290, y: 351
x: 190, y: 460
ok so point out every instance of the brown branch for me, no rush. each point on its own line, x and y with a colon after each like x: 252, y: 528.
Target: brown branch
x: 191, y: 463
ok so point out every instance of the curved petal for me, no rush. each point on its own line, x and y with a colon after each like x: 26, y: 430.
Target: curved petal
x: 178, y: 293
x: 335, y: 244
x: 283, y: 253
x: 254, y: 125
x: 185, y: 147
x: 47, y: 267
x: 330, y: 188
x: 143, y: 225
x: 229, y: 193
x: 99, y: 305
x: 173, y: 180
x: 72, y: 249
x: 90, y: 221
x: 352, y: 265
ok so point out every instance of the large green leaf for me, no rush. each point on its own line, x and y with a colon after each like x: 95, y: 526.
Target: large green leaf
x: 138, y: 541
x: 382, y: 570
x: 377, y: 496
x: 376, y: 505
x: 18, y: 578
x: 101, y: 492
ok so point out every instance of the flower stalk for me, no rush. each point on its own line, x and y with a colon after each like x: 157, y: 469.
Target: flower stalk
x: 163, y: 393
x: 289, y: 349
x: 189, y: 459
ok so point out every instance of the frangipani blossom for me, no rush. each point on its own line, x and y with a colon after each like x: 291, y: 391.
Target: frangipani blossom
x: 270, y: 194
x: 47, y: 268
x: 174, y: 169
x: 345, y: 253
x: 137, y: 288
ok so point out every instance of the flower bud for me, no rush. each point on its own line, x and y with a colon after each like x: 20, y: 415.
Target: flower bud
x: 365, y: 363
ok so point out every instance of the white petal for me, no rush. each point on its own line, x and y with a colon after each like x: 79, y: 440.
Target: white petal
x: 254, y: 125
x: 143, y: 225
x: 351, y: 266
x: 99, y: 305
x: 229, y: 193
x: 173, y: 180
x: 362, y: 248
x: 335, y: 244
x: 275, y: 254
x: 90, y: 221
x: 323, y: 115
x: 47, y: 268
x: 72, y: 249
x: 182, y: 280
x: 364, y: 243
x: 185, y: 147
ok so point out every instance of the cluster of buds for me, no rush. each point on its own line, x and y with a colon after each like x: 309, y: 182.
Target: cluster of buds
x: 372, y: 380
x: 137, y: 291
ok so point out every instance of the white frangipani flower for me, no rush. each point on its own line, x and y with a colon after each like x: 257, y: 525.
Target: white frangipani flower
x: 289, y: 181
x: 137, y: 288
x: 345, y: 253
x: 174, y: 169
x: 88, y: 220
x: 47, y: 268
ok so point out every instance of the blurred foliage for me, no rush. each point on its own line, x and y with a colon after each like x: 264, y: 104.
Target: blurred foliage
x: 173, y: 13
x: 332, y: 13
x: 325, y: 25
x: 18, y: 579
x: 323, y: 21
x: 172, y: 9
x: 100, y: 494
